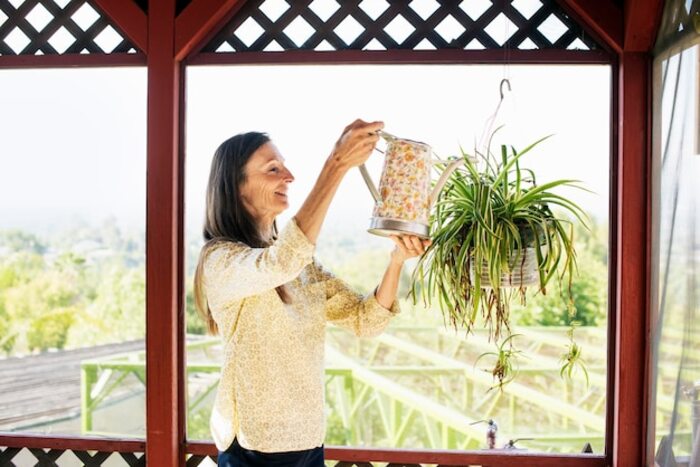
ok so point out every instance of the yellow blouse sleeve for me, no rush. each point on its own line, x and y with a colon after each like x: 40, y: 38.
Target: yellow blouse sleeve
x: 363, y: 315
x: 234, y: 271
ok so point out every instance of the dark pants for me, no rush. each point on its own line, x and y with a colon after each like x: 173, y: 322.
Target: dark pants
x: 238, y: 456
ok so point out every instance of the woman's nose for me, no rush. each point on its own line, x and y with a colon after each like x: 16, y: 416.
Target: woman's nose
x: 288, y: 177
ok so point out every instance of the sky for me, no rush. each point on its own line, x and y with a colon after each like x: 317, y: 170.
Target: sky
x: 73, y: 142
x: 72, y: 146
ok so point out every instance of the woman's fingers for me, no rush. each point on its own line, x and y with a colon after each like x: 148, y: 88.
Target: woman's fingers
x: 406, y: 242
x: 417, y: 244
x: 372, y: 127
x: 410, y: 246
x: 357, y: 142
x: 361, y: 129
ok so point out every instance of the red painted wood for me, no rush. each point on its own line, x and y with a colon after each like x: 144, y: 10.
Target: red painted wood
x: 82, y: 443
x: 601, y: 18
x: 199, y: 21
x: 442, y: 457
x: 182, y: 276
x: 389, y: 57
x: 128, y: 18
x: 200, y: 448
x: 461, y: 457
x: 654, y: 177
x: 642, y: 20
x: 71, y: 60
x: 632, y: 298
x: 613, y: 256
x: 164, y: 430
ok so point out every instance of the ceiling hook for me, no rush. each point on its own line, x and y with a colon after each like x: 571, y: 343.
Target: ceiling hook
x: 506, y: 82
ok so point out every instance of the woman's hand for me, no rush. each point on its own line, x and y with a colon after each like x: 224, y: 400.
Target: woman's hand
x: 408, y: 246
x: 356, y: 144
x: 352, y: 149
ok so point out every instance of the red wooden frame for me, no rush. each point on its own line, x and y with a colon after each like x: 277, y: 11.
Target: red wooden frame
x: 199, y: 21
x: 642, y: 23
x: 601, y: 18
x: 390, y: 57
x: 170, y: 41
x: 442, y: 457
x: 72, y: 443
x: 628, y: 434
x: 165, y: 427
x: 130, y: 18
x: 72, y: 60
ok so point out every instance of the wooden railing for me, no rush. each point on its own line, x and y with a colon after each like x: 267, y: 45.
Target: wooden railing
x: 21, y: 450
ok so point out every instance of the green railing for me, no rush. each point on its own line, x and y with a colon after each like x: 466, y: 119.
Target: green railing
x: 413, y: 387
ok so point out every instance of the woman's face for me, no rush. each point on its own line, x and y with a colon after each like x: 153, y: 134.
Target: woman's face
x: 264, y: 190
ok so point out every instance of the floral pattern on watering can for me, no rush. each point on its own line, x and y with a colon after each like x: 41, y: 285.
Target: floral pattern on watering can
x: 405, y: 182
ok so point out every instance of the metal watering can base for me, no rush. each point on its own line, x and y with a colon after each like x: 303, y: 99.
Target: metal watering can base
x: 386, y: 227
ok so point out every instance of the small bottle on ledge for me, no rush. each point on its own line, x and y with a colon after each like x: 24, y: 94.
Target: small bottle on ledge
x: 491, y: 434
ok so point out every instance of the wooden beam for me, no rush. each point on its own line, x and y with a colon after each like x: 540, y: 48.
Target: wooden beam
x: 642, y: 20
x: 632, y: 266
x: 393, y: 57
x: 199, y: 21
x: 461, y: 458
x: 128, y: 18
x: 436, y: 456
x: 73, y: 443
x: 71, y: 60
x: 165, y: 427
x: 601, y: 18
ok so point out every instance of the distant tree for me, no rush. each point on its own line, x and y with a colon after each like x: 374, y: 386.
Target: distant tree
x: 39, y: 299
x: 589, y: 287
x: 83, y: 287
x: 8, y: 335
x: 19, y: 241
x: 118, y: 311
x: 50, y: 330
x: 19, y: 267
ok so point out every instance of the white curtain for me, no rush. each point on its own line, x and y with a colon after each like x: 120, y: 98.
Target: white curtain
x: 674, y: 428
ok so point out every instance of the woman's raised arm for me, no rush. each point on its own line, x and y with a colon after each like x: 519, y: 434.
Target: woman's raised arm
x: 352, y: 149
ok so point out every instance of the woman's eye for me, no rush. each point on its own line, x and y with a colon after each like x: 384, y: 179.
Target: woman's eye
x: 274, y: 169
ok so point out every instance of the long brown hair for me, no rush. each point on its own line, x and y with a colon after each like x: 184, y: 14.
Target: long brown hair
x: 226, y: 217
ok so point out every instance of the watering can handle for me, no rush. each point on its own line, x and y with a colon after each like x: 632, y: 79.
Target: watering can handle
x: 365, y: 174
x: 443, y: 179
x: 370, y: 184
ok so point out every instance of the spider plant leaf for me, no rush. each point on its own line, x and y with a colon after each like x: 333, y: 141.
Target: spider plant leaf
x: 504, y: 159
x: 517, y: 157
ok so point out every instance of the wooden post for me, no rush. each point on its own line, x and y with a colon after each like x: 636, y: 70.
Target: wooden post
x: 632, y: 244
x: 165, y: 425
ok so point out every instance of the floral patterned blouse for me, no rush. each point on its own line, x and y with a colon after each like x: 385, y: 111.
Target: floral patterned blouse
x: 271, y: 392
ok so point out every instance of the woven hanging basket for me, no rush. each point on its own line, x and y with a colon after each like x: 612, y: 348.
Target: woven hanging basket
x: 522, y: 270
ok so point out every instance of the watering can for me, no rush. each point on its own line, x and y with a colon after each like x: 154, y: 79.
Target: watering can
x: 404, y: 197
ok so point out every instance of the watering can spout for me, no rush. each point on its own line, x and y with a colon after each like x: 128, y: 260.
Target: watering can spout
x: 451, y: 167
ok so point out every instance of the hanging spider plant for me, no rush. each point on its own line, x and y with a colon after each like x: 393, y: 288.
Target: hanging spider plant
x: 486, y: 228
x: 571, y: 360
x: 505, y: 367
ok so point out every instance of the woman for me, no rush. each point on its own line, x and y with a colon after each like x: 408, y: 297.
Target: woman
x: 269, y: 299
